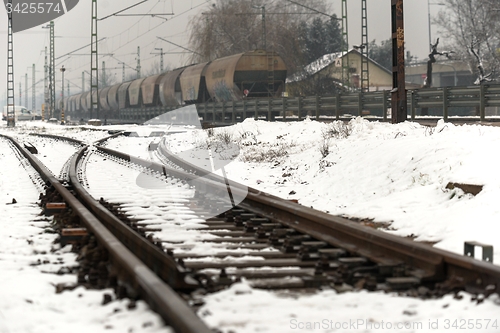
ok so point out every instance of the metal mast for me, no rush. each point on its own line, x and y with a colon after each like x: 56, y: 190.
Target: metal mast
x: 62, y: 95
x: 103, y: 79
x: 94, y: 64
x: 33, y: 91
x: 398, y: 97
x: 52, y: 75
x: 138, y: 69
x: 161, y: 58
x: 11, y: 120
x: 345, y: 45
x: 365, y: 77
x: 26, y: 90
x: 264, y: 42
x: 45, y: 86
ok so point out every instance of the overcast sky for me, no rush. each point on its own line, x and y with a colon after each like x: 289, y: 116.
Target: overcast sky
x: 125, y: 34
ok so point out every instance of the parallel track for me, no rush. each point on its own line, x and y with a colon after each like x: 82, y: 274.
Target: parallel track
x: 157, y: 293
x: 301, y: 248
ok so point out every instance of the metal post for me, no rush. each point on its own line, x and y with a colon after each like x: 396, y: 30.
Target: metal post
x: 264, y: 42
x: 345, y: 45
x: 283, y: 108
x: 46, y: 86
x: 385, y: 103
x: 317, y: 107
x: 62, y: 97
x: 11, y: 115
x: 94, y: 63
x: 83, y: 82
x: 365, y: 77
x: 482, y: 102
x: 103, y: 79
x: 445, y: 103
x: 138, y: 69
x: 33, y: 90
x: 161, y: 58
x: 52, y: 77
x: 26, y: 90
x: 337, y: 105
x: 413, y: 104
x: 398, y: 107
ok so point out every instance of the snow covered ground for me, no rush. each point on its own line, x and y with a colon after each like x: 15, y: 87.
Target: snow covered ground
x: 393, y: 174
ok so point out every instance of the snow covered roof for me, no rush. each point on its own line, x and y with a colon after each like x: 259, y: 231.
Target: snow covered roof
x: 315, y: 66
x: 323, y: 62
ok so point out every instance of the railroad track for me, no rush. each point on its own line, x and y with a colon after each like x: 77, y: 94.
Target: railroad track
x: 130, y: 276
x: 273, y: 243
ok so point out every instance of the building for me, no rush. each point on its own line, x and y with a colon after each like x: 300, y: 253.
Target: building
x: 444, y: 74
x: 324, y: 75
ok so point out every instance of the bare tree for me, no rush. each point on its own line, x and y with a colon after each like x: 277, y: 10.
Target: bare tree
x: 482, y: 77
x: 432, y: 59
x: 472, y: 22
x: 235, y: 26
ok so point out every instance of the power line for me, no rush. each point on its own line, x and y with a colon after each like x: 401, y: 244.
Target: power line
x: 120, y: 11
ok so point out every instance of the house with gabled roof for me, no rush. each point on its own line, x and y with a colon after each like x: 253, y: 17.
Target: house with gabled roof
x: 324, y: 75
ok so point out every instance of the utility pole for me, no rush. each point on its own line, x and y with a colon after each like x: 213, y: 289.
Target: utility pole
x: 52, y: 75
x: 11, y: 115
x: 26, y: 90
x: 94, y: 64
x: 46, y: 87
x: 138, y: 62
x: 398, y: 103
x: 365, y: 77
x: 104, y: 78
x: 123, y: 71
x: 345, y: 46
x: 161, y: 58
x: 62, y: 97
x: 263, y: 8
x: 33, y: 90
x: 83, y: 82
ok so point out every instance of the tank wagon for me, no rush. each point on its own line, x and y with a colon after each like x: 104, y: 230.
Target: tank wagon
x: 253, y: 74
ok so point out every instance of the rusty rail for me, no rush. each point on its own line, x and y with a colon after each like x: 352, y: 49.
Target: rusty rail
x: 159, y: 295
x: 429, y: 263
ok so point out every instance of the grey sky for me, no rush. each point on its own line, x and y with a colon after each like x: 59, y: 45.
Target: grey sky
x: 125, y: 34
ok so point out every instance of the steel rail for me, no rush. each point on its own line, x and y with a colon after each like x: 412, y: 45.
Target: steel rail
x: 161, y: 264
x: 167, y: 303
x: 431, y: 264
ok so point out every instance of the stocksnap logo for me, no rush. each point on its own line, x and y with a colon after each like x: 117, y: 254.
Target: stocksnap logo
x: 27, y: 14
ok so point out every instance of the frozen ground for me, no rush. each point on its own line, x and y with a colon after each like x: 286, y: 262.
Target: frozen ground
x: 396, y: 174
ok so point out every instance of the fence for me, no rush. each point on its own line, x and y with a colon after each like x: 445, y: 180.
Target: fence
x: 472, y: 99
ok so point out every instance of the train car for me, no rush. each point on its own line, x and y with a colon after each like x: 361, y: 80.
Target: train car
x: 83, y: 101
x: 123, y: 95
x: 150, y: 89
x: 135, y: 93
x: 193, y: 85
x: 113, y: 97
x: 170, y: 88
x: 103, y: 99
x: 250, y: 74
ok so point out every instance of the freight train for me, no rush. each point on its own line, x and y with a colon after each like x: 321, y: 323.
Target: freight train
x: 251, y: 74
